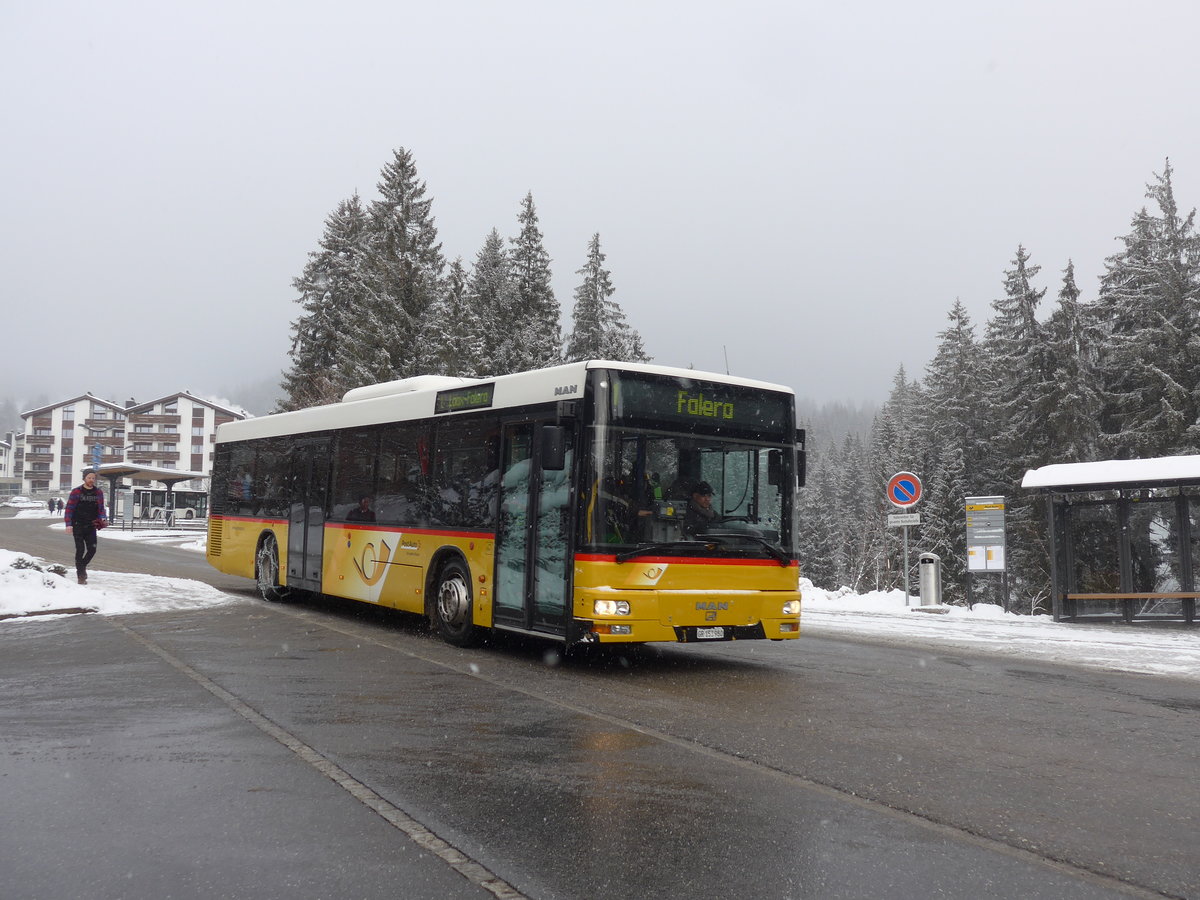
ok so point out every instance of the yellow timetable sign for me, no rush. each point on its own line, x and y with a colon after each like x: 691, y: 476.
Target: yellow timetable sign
x: 978, y: 507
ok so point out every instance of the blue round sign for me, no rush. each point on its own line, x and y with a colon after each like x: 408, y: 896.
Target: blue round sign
x: 904, y: 489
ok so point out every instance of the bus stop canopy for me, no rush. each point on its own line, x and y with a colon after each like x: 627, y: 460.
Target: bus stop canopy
x: 169, y: 477
x: 1114, y: 474
x: 1121, y: 536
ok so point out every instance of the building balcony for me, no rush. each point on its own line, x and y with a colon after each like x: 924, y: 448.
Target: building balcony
x: 151, y: 457
x: 155, y: 420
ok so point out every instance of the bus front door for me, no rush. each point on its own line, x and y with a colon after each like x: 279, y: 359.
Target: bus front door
x: 309, y: 466
x: 532, y: 580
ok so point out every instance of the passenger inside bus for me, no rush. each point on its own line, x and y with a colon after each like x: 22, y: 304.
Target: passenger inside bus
x: 362, y: 512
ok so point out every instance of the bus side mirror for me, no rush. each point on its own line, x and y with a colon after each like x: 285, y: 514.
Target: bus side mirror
x: 554, y: 448
x: 801, y: 457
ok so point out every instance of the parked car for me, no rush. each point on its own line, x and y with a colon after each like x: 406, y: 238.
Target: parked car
x: 20, y: 502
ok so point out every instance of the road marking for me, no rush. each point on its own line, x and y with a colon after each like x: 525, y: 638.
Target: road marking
x: 473, y: 871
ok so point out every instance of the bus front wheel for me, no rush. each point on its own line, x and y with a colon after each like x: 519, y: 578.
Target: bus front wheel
x: 266, y: 571
x: 452, y: 606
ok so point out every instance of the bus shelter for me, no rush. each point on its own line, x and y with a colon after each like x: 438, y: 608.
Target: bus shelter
x: 1124, y: 537
x: 114, y: 472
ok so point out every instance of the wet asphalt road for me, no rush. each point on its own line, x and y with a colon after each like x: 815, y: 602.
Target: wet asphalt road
x: 141, y: 756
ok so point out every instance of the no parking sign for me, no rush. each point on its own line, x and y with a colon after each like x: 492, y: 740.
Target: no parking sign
x: 904, y: 489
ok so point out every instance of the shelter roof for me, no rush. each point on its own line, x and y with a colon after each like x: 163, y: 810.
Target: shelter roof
x: 1114, y: 474
x: 132, y: 470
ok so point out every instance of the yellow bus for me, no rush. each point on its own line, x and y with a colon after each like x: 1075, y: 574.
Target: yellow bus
x: 551, y: 503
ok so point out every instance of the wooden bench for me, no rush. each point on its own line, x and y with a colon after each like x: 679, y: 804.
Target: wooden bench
x: 1129, y: 598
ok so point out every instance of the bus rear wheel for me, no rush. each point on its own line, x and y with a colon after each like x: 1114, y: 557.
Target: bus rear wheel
x: 266, y: 571
x: 452, y: 606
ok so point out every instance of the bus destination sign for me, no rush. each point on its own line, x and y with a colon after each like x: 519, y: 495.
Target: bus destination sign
x: 699, y: 403
x: 476, y: 396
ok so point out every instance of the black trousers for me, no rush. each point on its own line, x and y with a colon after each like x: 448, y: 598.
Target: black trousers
x: 85, y: 547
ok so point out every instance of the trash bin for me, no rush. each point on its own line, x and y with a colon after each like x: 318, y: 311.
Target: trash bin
x: 929, y: 567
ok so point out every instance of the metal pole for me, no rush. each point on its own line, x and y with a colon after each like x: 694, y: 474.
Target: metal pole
x: 906, y: 585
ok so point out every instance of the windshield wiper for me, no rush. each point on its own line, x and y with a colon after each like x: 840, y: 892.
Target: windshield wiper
x: 720, y: 536
x: 643, y: 549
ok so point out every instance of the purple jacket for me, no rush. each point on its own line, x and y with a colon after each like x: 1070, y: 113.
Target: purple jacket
x: 84, y: 507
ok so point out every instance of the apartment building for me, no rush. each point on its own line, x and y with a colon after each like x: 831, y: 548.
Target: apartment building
x: 61, y: 440
x: 8, y: 484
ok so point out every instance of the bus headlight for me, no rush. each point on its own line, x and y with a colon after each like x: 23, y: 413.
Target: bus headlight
x: 610, y: 608
x: 791, y: 608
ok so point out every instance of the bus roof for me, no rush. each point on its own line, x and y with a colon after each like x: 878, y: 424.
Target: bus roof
x: 413, y: 398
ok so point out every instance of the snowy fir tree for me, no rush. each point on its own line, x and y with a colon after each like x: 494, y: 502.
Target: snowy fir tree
x: 1072, y: 406
x: 536, y: 309
x: 327, y: 357
x: 953, y: 425
x: 1148, y: 311
x: 493, y: 295
x: 1019, y: 360
x: 453, y: 334
x: 405, y: 263
x: 599, y: 330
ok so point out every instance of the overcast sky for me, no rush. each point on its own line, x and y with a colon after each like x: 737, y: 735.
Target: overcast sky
x: 804, y: 191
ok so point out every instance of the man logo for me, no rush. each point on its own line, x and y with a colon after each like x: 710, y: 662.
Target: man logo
x: 712, y: 605
x: 566, y: 390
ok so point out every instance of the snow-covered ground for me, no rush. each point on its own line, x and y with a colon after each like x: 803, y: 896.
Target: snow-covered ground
x: 1143, y: 648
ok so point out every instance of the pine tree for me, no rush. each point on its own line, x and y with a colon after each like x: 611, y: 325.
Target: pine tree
x: 453, y: 336
x: 1148, y: 310
x: 854, y: 504
x: 493, y: 296
x: 1073, y: 402
x: 406, y: 263
x: 335, y: 307
x: 537, y: 309
x: 815, y: 543
x: 1019, y: 356
x: 599, y: 329
x: 952, y: 422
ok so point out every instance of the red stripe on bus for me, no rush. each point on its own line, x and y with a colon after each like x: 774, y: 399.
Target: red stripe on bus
x: 400, y: 529
x: 689, y: 560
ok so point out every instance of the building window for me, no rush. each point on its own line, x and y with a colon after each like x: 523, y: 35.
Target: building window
x: 142, y: 448
x: 143, y: 429
x: 197, y: 431
x: 171, y: 408
x: 170, y: 429
x: 168, y: 448
x: 99, y: 412
x: 68, y: 414
x: 197, y: 448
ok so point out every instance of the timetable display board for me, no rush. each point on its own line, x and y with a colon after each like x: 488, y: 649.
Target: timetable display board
x: 985, y: 534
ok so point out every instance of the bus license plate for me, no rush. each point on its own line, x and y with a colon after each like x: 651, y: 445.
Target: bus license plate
x: 709, y: 634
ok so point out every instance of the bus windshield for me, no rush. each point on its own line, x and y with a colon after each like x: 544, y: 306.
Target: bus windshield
x: 640, y: 493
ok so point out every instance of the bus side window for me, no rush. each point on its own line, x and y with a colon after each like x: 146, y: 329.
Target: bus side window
x: 401, y: 482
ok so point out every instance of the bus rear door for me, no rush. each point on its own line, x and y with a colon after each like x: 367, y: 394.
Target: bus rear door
x: 309, y: 467
x: 532, y: 579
